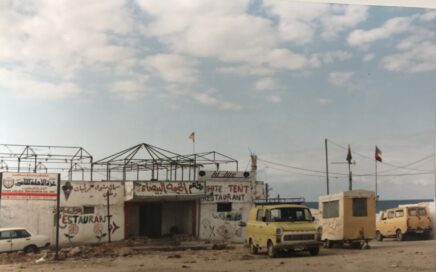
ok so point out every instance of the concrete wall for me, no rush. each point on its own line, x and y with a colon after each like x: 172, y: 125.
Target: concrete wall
x: 226, y: 187
x: 77, y: 225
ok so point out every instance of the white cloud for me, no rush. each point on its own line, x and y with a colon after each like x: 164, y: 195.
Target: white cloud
x: 341, y: 79
x: 324, y: 101
x: 173, y: 68
x: 26, y: 86
x: 274, y: 99
x: 128, y: 90
x: 364, y: 38
x: 265, y: 85
x: 368, y: 57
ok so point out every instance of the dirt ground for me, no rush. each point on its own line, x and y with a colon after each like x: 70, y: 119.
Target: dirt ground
x: 388, y: 255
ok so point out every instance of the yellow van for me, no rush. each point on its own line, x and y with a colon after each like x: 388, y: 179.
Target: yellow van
x: 281, y: 225
x: 398, y: 222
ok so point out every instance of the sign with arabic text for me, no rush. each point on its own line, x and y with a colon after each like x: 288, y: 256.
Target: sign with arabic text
x: 28, y: 186
x: 167, y: 188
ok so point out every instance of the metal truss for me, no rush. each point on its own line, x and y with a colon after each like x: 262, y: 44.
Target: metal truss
x: 45, y: 158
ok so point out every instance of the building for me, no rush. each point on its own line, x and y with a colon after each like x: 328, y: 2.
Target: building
x: 163, y: 195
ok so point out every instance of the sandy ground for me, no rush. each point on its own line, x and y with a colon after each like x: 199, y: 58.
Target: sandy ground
x: 385, y: 256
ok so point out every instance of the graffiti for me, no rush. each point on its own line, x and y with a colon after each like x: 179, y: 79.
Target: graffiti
x: 150, y: 188
x: 104, y: 188
x: 235, y: 192
x: 67, y: 219
x: 214, y: 230
x: 67, y: 188
x: 228, y: 231
x: 113, y: 227
x: 228, y: 216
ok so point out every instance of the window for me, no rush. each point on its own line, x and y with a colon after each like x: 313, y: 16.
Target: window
x: 360, y: 206
x: 399, y: 213
x: 422, y: 212
x: 224, y: 207
x: 22, y: 234
x: 413, y: 211
x: 290, y: 214
x: 391, y: 214
x: 330, y: 209
x: 88, y: 209
x: 259, y: 215
x: 7, y: 234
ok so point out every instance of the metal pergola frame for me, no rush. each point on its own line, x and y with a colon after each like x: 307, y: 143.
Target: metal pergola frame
x: 61, y: 159
x: 157, y: 160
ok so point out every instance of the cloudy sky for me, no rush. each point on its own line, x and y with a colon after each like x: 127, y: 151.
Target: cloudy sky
x: 272, y: 77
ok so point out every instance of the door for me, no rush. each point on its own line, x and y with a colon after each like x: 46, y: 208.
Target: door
x: 20, y: 239
x: 5, y: 241
x: 150, y: 220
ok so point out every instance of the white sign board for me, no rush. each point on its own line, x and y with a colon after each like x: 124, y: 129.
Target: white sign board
x: 28, y: 186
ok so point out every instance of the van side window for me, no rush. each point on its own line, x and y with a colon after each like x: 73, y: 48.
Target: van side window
x: 399, y: 213
x: 259, y: 215
x: 412, y: 211
x: 4, y: 235
x: 22, y: 234
x: 422, y: 212
x: 391, y: 214
x: 360, y: 206
x: 330, y: 209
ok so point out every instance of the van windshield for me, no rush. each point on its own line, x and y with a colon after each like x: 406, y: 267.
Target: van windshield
x: 290, y: 214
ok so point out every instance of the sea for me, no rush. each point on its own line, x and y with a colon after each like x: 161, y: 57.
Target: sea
x: 382, y: 204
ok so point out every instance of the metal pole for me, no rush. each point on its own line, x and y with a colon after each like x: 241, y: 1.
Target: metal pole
x: 350, y: 178
x: 108, y: 217
x: 376, y: 193
x: 58, y: 215
x: 327, y: 166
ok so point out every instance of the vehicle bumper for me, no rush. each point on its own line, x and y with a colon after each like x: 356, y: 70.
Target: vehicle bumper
x: 297, y: 245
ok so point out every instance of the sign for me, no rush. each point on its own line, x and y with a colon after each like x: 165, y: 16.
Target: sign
x: 223, y: 175
x: 28, y: 186
x: 228, y: 191
x: 167, y: 188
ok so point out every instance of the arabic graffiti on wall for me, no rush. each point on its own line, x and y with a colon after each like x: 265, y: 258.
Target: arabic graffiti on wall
x: 28, y: 186
x: 153, y: 188
x: 91, y: 189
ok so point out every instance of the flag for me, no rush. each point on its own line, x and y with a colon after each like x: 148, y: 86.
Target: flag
x: 378, y: 154
x: 349, y: 154
x: 192, y: 137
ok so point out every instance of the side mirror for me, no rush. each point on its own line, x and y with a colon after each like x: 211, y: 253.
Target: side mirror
x: 313, y: 219
x: 263, y: 218
x: 242, y: 224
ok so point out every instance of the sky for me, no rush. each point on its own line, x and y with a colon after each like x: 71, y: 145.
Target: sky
x: 274, y: 78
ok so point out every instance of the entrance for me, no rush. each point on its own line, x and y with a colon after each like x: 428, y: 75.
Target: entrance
x: 150, y: 220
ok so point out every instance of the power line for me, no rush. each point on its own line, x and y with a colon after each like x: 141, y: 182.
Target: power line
x: 392, y: 165
x: 300, y: 168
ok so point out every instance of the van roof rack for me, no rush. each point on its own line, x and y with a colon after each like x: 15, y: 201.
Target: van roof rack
x: 275, y: 201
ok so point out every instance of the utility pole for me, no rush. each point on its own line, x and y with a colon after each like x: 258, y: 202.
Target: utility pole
x: 327, y: 166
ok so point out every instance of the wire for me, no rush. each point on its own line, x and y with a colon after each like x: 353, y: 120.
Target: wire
x: 303, y: 174
x: 300, y: 168
x: 395, y: 166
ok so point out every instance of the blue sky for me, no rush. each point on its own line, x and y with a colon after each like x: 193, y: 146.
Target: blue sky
x: 274, y: 77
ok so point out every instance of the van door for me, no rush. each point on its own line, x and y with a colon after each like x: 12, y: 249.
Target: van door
x: 390, y: 223
x: 5, y: 241
x: 257, y: 227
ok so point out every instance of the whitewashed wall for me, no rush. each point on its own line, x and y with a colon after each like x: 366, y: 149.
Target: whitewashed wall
x: 75, y: 227
x: 226, y: 187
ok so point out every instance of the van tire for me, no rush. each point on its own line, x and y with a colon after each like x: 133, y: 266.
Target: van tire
x: 327, y: 243
x: 253, y: 249
x: 314, y: 251
x: 399, y: 235
x: 272, y: 252
x: 378, y: 236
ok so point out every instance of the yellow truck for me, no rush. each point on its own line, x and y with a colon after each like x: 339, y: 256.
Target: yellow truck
x: 348, y: 217
x: 402, y: 221
x: 281, y: 225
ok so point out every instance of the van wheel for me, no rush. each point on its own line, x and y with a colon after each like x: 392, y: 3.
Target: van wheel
x: 327, y: 244
x: 314, y: 251
x: 272, y: 252
x: 30, y: 249
x: 399, y: 235
x: 378, y: 236
x: 253, y: 249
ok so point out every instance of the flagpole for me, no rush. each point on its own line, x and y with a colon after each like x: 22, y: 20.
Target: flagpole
x: 376, y: 193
